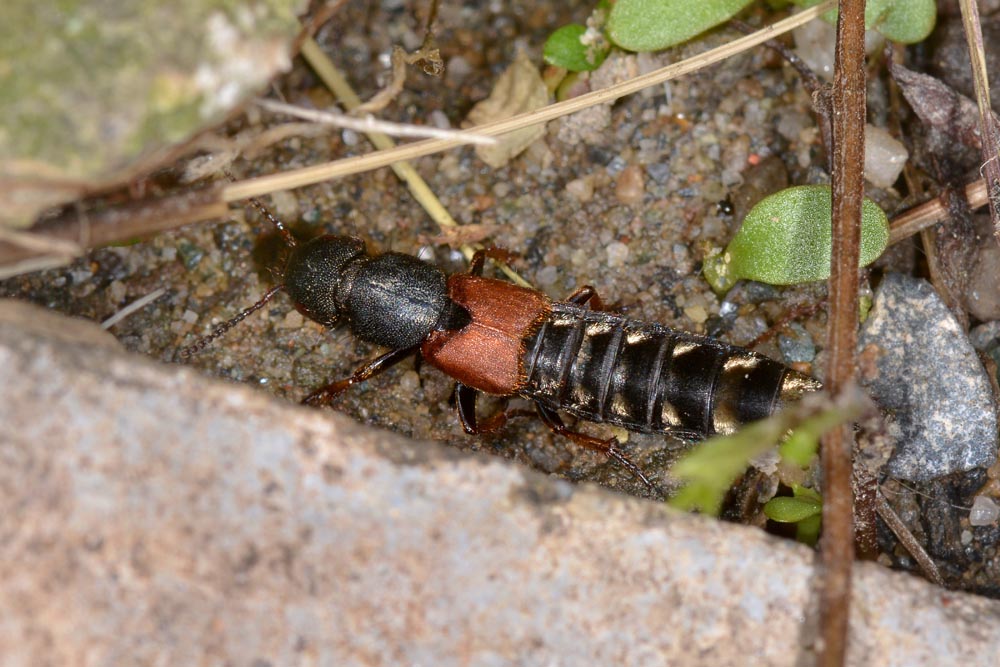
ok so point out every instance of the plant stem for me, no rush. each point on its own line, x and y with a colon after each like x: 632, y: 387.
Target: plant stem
x: 837, y: 548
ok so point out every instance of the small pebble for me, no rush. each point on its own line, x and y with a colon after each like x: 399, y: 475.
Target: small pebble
x: 884, y: 157
x: 984, y: 511
x: 190, y: 254
x: 983, y: 290
x: 985, y: 336
x: 293, y: 320
x: 116, y: 291
x: 659, y: 172
x: 696, y: 314
x: 286, y: 205
x: 457, y: 70
x: 616, y: 166
x: 409, y: 383
x: 617, y: 254
x: 797, y: 346
x: 815, y: 43
x: 439, y: 119
x: 79, y: 276
x: 630, y: 187
x: 547, y: 277
x: 582, y: 189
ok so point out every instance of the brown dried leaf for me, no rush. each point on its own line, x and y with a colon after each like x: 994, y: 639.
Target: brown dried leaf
x: 939, y: 106
x: 518, y: 90
x: 466, y: 234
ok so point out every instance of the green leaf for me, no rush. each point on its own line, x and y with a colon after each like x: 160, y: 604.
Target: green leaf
x: 564, y: 48
x: 786, y: 239
x: 805, y: 493
x: 650, y: 25
x: 807, y: 530
x: 801, y: 445
x: 710, y: 469
x: 791, y: 510
x: 805, y: 509
x: 905, y: 21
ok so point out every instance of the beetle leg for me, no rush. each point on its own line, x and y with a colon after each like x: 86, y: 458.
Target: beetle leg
x: 325, y: 395
x: 586, y: 295
x: 479, y: 258
x: 607, y: 447
x: 465, y: 400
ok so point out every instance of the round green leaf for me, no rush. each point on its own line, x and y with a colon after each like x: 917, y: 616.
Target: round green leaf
x: 650, y: 25
x: 791, y: 510
x: 786, y: 239
x: 906, y: 21
x: 564, y: 48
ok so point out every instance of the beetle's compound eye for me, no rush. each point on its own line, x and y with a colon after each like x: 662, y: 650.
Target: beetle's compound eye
x: 314, y: 275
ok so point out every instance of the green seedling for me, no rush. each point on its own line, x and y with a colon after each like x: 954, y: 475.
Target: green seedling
x: 786, y: 239
x: 651, y: 25
x: 804, y: 508
x: 905, y: 21
x: 568, y: 47
x: 709, y: 470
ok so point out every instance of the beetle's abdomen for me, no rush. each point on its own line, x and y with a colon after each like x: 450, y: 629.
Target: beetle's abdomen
x: 646, y: 377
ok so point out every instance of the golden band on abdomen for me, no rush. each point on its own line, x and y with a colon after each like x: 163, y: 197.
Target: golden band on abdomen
x: 646, y: 377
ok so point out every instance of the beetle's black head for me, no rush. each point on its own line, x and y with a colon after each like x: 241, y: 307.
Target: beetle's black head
x: 314, y: 274
x: 391, y: 299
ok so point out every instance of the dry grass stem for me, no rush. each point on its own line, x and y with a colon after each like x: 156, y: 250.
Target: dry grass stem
x: 988, y: 129
x: 932, y: 212
x: 384, y: 157
x: 368, y: 124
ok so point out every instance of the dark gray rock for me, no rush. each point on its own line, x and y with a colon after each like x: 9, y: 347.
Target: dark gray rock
x: 921, y: 368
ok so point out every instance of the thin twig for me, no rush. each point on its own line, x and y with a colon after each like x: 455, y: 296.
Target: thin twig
x: 369, y: 123
x: 109, y: 225
x: 41, y: 243
x: 297, y: 178
x: 932, y: 212
x: 906, y: 538
x: 136, y: 305
x: 837, y: 547
x: 988, y: 129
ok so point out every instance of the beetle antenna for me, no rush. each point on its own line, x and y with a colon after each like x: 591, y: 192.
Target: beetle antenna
x: 282, y: 229
x: 220, y: 330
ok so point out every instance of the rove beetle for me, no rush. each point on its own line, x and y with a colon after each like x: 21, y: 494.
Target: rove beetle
x: 495, y: 337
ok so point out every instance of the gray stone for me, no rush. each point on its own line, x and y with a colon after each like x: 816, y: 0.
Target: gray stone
x: 986, y: 336
x: 797, y: 345
x: 151, y: 516
x: 96, y: 93
x: 925, y: 373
